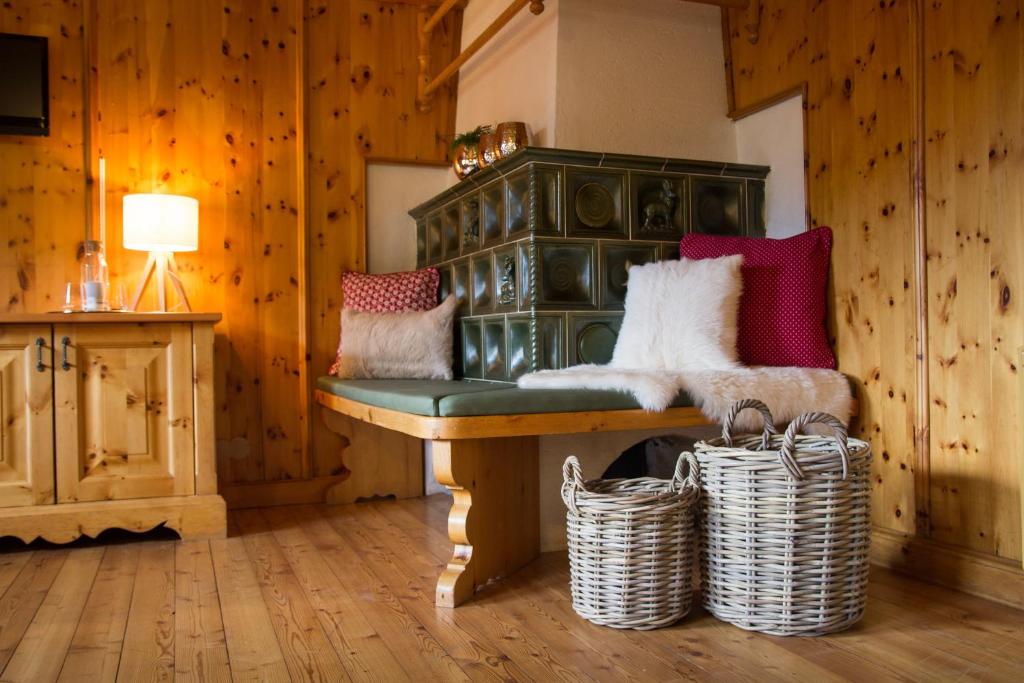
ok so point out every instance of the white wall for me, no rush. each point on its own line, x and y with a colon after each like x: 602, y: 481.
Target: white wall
x: 775, y: 137
x: 513, y: 77
x: 642, y: 78
x: 599, y: 75
x: 391, y: 190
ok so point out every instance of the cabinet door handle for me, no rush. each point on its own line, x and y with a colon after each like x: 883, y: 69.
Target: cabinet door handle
x: 64, y: 364
x: 40, y: 345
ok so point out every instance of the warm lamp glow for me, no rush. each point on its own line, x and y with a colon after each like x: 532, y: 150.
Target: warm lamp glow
x: 161, y: 222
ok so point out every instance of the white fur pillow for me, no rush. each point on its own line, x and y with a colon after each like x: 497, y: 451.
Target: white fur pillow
x: 681, y: 315
x: 407, y: 345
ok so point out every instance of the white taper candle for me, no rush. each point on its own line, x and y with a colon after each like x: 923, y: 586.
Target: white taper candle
x: 103, y: 202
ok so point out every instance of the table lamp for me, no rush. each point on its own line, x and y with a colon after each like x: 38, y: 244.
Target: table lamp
x: 161, y: 224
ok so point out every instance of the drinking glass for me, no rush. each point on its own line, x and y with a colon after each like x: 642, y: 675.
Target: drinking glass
x: 68, y: 304
x: 119, y: 300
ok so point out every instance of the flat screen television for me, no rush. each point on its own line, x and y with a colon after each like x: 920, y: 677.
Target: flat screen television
x: 24, y: 85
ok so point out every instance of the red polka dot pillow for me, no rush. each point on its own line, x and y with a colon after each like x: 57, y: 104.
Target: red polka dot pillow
x: 388, y: 293
x: 782, y: 308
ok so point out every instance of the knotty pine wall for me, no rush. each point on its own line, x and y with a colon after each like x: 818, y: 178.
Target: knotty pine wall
x: 915, y: 157
x: 266, y: 111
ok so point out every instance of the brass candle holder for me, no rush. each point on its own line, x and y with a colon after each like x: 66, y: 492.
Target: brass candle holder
x: 510, y: 136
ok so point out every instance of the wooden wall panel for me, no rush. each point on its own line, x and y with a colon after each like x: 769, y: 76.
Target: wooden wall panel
x: 264, y: 110
x: 238, y: 353
x: 275, y: 58
x: 335, y: 243
x: 167, y: 119
x: 361, y: 81
x: 42, y: 184
x: 974, y: 118
x: 878, y: 74
x: 854, y: 59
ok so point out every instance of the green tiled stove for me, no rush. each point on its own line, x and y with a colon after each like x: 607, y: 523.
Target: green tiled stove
x: 537, y: 247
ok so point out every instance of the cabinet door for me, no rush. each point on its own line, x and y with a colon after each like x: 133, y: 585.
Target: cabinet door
x: 26, y: 415
x: 124, y: 411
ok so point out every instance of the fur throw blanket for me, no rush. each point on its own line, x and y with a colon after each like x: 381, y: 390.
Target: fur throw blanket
x: 679, y: 334
x: 788, y: 392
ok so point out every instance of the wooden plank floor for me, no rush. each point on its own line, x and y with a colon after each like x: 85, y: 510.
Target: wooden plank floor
x: 346, y: 593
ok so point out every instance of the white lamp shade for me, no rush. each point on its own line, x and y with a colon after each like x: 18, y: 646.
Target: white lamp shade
x: 161, y: 222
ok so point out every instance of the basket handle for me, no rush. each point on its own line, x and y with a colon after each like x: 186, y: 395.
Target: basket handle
x: 692, y: 479
x: 787, y: 455
x: 740, y: 406
x: 572, y: 481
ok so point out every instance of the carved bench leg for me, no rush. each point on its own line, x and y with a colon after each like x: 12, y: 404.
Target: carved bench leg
x: 383, y: 462
x: 495, y: 520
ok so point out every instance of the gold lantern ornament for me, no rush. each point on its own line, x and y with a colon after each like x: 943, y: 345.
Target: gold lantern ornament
x: 466, y: 155
x: 509, y: 137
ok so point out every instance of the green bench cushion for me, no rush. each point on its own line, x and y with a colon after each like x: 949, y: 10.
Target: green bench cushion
x: 514, y: 401
x: 416, y: 396
x: 462, y: 398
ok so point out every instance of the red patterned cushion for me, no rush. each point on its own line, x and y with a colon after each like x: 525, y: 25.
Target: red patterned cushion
x: 414, y: 290
x: 782, y: 308
x: 390, y: 292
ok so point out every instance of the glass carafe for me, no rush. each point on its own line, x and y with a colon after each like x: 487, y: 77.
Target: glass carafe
x: 95, y: 282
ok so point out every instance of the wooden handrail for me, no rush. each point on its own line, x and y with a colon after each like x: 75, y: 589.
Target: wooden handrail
x: 427, y: 86
x: 438, y: 15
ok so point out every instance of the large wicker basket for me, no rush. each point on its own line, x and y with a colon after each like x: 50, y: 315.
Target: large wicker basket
x: 786, y: 526
x: 632, y: 543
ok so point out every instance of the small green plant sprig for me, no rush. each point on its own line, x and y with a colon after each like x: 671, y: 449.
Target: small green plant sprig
x: 471, y: 138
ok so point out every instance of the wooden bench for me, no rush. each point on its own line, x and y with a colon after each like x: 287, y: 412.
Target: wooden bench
x: 488, y: 461
x: 485, y: 440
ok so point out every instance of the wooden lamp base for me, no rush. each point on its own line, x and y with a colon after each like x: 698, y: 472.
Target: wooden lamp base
x: 166, y: 269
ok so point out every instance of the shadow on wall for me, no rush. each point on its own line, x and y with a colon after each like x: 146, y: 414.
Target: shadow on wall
x: 654, y: 457
x: 774, y: 137
x: 391, y: 190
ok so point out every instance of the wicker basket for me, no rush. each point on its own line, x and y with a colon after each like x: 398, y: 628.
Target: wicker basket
x: 786, y: 526
x: 632, y: 544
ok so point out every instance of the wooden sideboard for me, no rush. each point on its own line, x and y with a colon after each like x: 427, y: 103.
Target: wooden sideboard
x: 106, y: 421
